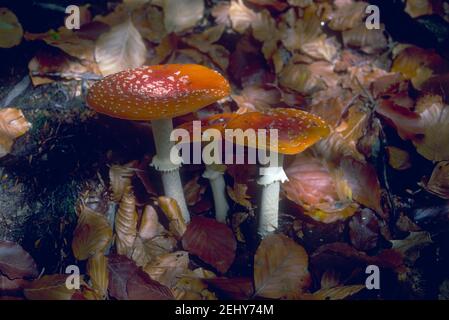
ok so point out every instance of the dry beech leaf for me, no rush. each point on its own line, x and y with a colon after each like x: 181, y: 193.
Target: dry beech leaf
x: 238, y: 195
x: 280, y: 268
x: 263, y: 26
x: 191, y: 286
x: 171, y: 210
x: 398, y: 159
x: 435, y: 121
x: 193, y: 191
x: 145, y: 251
x: 149, y: 20
x: 120, y: 48
x: 256, y: 98
x: 182, y: 15
x: 15, y: 262
x: 348, y: 16
x: 126, y: 223
x: 141, y: 287
x: 370, y: 41
x: 11, y: 31
x: 241, y: 16
x: 167, y: 268
x: 97, y: 269
x: 212, y: 241
x: 12, y: 125
x: 120, y: 177
x: 49, y: 287
x: 149, y: 224
x: 439, y: 180
x: 410, y: 247
x: 364, y: 230
x: 336, y: 293
x: 92, y: 234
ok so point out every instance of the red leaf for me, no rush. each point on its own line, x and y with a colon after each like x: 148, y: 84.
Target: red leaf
x: 16, y: 263
x: 141, y: 287
x: 128, y: 282
x: 212, y: 241
x: 364, y: 230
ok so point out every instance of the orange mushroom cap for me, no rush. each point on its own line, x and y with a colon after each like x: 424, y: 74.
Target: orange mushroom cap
x: 297, y: 130
x: 157, y: 92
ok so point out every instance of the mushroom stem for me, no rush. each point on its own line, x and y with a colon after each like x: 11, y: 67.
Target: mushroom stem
x: 271, y: 179
x: 162, y: 162
x: 218, y: 186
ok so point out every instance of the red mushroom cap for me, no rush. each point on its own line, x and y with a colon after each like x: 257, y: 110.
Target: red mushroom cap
x: 157, y: 92
x: 297, y: 130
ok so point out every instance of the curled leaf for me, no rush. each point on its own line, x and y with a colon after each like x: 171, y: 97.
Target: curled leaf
x: 120, y: 177
x: 126, y: 223
x: 171, y: 210
x: 97, y: 269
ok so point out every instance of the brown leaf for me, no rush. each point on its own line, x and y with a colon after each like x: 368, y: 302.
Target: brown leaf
x: 192, y: 13
x: 120, y: 177
x: 145, y: 251
x: 435, y: 121
x: 97, y: 269
x: 417, y: 8
x: 11, y: 31
x: 192, y: 286
x: 363, y: 181
x: 120, y: 48
x: 16, y: 263
x: 49, y: 287
x: 348, y: 16
x: 439, y: 180
x: 126, y: 223
x: 232, y: 288
x: 167, y: 268
x: 92, y: 234
x: 398, y: 159
x: 193, y: 191
x: 238, y: 195
x: 149, y: 224
x: 280, y: 268
x: 241, y: 16
x: 171, y: 210
x: 370, y: 41
x: 212, y: 241
x: 337, y: 293
x: 12, y: 125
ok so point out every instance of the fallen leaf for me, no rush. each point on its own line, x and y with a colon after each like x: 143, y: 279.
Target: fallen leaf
x: 280, y: 268
x: 193, y: 191
x: 370, y: 41
x: 348, y: 16
x: 49, y: 287
x: 126, y: 223
x: 141, y: 287
x: 145, y: 251
x: 11, y: 31
x: 13, y: 124
x: 167, y: 268
x: 149, y: 224
x: 92, y: 234
x: 398, y: 159
x: 337, y: 293
x: 16, y: 263
x: 180, y: 16
x: 439, y: 180
x: 97, y: 269
x: 173, y: 213
x: 417, y: 8
x: 120, y: 178
x: 120, y: 48
x: 238, y: 195
x: 232, y: 288
x: 364, y: 230
x: 241, y: 16
x: 212, y: 241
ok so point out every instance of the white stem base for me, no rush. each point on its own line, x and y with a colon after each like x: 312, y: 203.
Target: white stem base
x: 218, y: 186
x: 269, y: 205
x: 173, y: 189
x: 162, y: 162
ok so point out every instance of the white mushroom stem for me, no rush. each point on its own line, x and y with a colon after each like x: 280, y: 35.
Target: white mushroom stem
x: 218, y: 186
x: 272, y: 177
x: 169, y: 170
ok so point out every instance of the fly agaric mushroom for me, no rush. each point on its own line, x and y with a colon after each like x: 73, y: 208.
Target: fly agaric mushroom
x: 158, y: 94
x: 214, y: 171
x: 296, y: 131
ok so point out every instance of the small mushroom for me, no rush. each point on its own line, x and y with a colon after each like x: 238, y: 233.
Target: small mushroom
x: 297, y: 130
x: 159, y: 93
x: 214, y: 171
